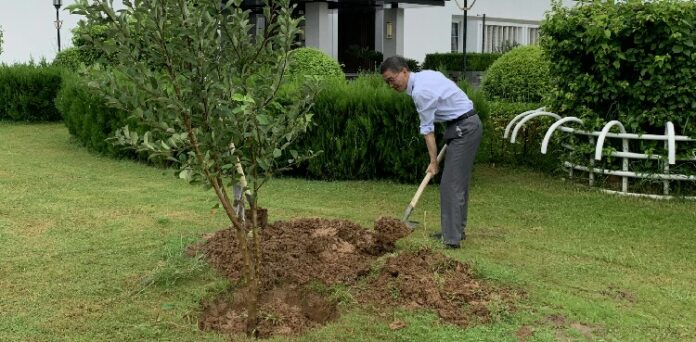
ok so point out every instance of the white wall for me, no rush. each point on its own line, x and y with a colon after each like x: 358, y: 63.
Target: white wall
x: 429, y: 29
x: 426, y: 30
x: 511, y: 9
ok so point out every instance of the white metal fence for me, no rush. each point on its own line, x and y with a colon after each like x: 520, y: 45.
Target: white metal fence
x: 598, y: 139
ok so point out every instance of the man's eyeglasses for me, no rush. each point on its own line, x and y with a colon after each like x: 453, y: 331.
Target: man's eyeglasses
x: 390, y: 80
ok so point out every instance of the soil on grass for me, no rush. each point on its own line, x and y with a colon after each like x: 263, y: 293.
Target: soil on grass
x: 424, y: 279
x: 301, y: 257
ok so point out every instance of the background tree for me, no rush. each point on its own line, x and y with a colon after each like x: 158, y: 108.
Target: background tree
x: 1, y: 40
x: 208, y: 91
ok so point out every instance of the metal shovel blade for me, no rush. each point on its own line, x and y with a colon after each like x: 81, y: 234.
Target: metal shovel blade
x: 406, y: 221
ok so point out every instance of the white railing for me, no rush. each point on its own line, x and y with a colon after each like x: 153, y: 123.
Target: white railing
x: 670, y: 139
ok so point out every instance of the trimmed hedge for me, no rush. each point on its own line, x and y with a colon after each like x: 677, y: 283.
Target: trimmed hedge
x: 521, y: 75
x: 314, y: 62
x: 84, y: 36
x: 89, y: 119
x: 367, y: 131
x: 68, y: 59
x: 631, y: 61
x: 27, y: 92
x: 455, y: 61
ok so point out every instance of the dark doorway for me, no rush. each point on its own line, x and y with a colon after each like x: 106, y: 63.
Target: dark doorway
x: 356, y: 38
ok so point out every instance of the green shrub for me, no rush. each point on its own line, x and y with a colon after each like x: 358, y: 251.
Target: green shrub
x: 365, y: 129
x: 314, y: 62
x: 455, y: 61
x: 68, y: 59
x: 368, y: 131
x: 521, y: 75
x: 634, y: 61
x: 84, y: 36
x: 413, y: 65
x: 27, y: 92
x: 88, y: 118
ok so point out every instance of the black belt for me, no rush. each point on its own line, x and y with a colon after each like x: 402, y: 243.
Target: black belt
x: 461, y: 117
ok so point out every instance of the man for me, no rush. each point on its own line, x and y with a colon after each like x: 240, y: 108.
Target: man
x: 438, y: 99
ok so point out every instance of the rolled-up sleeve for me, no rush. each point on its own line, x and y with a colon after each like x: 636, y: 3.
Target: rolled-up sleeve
x: 426, y: 105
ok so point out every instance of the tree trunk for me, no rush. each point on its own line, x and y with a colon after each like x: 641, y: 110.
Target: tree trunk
x: 252, y: 309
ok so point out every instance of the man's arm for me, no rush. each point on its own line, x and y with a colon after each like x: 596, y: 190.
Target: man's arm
x: 430, y: 142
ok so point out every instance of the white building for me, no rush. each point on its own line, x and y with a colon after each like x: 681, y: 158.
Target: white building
x: 414, y: 28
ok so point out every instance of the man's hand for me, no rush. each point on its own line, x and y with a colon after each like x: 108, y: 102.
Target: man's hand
x: 433, y: 168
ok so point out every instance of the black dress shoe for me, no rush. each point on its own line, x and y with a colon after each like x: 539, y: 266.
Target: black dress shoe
x: 438, y: 236
x: 452, y: 246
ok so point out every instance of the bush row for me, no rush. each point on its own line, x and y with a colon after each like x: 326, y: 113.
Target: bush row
x: 89, y: 119
x: 368, y: 131
x: 365, y: 129
x: 455, y: 61
x: 27, y: 92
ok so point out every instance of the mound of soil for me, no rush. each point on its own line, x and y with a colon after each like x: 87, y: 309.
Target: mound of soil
x: 297, y: 254
x: 429, y: 280
x: 300, y: 251
x: 283, y: 311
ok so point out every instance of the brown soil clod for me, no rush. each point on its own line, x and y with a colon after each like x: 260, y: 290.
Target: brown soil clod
x: 388, y: 231
x: 303, y: 252
x: 430, y: 280
x: 282, y: 311
x: 524, y: 333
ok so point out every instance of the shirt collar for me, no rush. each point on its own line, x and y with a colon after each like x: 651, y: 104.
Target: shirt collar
x: 411, y: 82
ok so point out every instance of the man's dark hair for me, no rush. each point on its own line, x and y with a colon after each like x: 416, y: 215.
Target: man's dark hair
x: 394, y: 64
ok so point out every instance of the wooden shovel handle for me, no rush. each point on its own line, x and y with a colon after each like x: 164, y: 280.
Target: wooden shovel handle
x: 426, y: 179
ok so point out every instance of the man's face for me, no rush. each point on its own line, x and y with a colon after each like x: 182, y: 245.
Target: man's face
x: 396, y: 80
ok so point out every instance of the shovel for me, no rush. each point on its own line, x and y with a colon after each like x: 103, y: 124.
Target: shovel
x: 423, y: 184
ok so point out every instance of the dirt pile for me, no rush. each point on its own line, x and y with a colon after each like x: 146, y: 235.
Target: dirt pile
x: 297, y: 252
x: 303, y: 252
x: 284, y: 311
x: 429, y: 280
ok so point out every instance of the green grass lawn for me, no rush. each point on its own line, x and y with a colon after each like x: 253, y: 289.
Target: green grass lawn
x: 90, y: 249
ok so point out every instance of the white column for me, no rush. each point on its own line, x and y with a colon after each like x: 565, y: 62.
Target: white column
x: 379, y: 30
x: 525, y: 39
x: 394, y: 17
x: 473, y: 35
x: 318, y: 27
x: 334, y: 33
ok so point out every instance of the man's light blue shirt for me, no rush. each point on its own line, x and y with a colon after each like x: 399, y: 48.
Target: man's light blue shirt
x: 437, y: 98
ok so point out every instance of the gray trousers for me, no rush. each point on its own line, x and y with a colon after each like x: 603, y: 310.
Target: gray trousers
x: 463, y: 139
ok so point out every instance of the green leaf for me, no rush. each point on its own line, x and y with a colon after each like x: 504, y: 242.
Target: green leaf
x: 262, y: 119
x: 185, y: 174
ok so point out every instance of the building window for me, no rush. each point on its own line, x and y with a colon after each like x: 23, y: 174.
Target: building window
x: 500, y: 38
x: 455, y: 37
